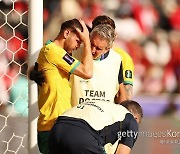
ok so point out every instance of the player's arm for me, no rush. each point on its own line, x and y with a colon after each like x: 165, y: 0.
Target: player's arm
x: 129, y: 91
x: 127, y: 142
x: 121, y: 94
x: 123, y: 149
x: 85, y: 69
x: 128, y: 71
x: 128, y: 75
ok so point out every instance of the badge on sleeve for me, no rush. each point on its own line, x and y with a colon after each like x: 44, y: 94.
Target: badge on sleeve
x: 128, y: 74
x: 68, y: 59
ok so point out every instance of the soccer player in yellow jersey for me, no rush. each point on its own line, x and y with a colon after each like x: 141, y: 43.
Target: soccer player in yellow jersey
x: 127, y: 62
x: 57, y: 64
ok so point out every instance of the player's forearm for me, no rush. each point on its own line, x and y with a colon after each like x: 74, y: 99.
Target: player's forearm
x: 120, y: 98
x: 121, y: 95
x: 87, y: 59
x: 123, y: 149
x: 129, y: 91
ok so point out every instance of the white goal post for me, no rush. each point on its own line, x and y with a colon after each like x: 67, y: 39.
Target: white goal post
x: 35, y: 29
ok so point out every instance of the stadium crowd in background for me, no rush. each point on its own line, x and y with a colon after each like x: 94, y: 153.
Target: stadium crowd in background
x: 149, y: 30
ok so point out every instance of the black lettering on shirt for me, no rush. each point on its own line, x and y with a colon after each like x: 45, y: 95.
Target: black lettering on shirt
x: 94, y: 93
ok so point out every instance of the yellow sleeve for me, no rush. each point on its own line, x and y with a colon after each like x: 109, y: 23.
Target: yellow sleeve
x: 60, y: 58
x: 127, y: 65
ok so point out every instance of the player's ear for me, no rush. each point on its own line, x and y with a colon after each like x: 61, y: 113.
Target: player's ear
x: 137, y: 117
x: 116, y: 34
x: 108, y: 48
x: 66, y: 33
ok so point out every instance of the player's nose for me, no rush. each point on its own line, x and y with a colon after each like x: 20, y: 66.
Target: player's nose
x: 93, y: 50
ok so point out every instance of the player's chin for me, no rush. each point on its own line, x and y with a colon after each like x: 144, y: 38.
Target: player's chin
x: 95, y: 57
x: 70, y: 52
x: 73, y: 50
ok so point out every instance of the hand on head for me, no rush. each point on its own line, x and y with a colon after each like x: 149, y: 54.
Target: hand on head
x: 84, y: 35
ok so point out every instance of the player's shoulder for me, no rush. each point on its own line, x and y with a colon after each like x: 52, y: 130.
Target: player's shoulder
x: 127, y: 61
x: 115, y: 55
x: 118, y: 111
x: 48, y: 48
x: 122, y: 52
x: 129, y: 121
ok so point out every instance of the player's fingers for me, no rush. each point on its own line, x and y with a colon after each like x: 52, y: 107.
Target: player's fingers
x: 82, y: 23
x: 78, y: 31
x: 85, y: 29
x: 84, y: 35
x: 81, y: 35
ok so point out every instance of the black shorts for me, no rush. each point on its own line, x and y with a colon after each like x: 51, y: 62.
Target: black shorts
x: 72, y: 136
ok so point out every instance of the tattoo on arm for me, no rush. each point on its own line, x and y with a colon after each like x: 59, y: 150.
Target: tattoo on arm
x: 129, y: 91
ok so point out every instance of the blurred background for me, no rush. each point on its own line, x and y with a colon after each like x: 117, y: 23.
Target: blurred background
x: 148, y: 30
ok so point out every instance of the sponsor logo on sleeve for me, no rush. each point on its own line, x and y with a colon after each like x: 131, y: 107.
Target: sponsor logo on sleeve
x: 68, y: 59
x: 128, y: 74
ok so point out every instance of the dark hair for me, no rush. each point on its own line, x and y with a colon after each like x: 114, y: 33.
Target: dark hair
x: 103, y: 19
x: 133, y: 107
x: 71, y: 24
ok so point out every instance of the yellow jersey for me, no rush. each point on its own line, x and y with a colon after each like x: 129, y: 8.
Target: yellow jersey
x: 55, y: 93
x: 127, y: 65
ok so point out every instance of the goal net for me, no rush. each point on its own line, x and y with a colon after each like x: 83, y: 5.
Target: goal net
x: 18, y: 51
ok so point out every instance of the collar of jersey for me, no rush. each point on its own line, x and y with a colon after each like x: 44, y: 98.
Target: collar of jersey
x: 48, y: 42
x: 104, y: 56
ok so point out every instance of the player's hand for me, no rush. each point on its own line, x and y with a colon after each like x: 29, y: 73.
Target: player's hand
x: 84, y: 35
x: 37, y: 76
x: 89, y: 28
